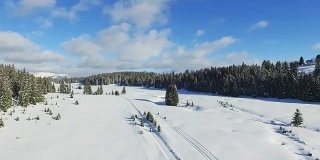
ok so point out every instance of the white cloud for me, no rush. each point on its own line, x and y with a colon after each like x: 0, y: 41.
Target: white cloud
x: 259, y: 25
x: 193, y: 58
x: 237, y: 55
x: 44, y: 22
x: 18, y: 49
x: 27, y: 7
x: 316, y: 46
x: 82, y: 45
x: 200, y: 32
x: 142, y: 13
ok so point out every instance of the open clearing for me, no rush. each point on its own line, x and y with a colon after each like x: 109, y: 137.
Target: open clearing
x: 100, y: 127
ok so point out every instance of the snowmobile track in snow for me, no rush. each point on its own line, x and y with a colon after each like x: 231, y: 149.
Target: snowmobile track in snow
x: 198, y: 146
x: 159, y: 136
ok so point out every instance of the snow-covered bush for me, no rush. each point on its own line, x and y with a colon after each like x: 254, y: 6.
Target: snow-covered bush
x: 1, y: 123
x: 17, y: 119
x: 77, y: 102
x: 159, y: 128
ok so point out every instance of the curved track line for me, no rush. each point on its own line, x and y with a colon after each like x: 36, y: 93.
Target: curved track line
x: 158, y: 135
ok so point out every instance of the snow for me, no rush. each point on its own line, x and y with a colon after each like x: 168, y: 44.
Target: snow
x: 306, y: 69
x: 100, y: 127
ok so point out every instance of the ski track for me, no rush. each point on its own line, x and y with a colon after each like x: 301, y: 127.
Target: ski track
x: 158, y: 135
x: 194, y: 143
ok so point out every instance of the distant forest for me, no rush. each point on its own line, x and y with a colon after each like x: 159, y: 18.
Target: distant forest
x: 268, y: 80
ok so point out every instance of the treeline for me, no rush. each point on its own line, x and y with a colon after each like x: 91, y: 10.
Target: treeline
x: 269, y: 80
x: 18, y: 87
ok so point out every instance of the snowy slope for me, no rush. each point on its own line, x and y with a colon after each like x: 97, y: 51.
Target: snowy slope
x: 101, y: 128
x: 307, y: 69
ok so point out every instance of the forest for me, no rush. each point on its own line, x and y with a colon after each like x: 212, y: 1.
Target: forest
x: 268, y: 80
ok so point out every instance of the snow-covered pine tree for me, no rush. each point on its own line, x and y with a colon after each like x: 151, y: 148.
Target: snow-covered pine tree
x: 172, y: 98
x: 62, y: 87
x: 36, y: 95
x: 68, y: 90
x: 25, y: 90
x: 53, y: 88
x: 123, y: 90
x: 5, y: 92
x: 87, y: 88
x: 101, y: 90
x: 297, y: 119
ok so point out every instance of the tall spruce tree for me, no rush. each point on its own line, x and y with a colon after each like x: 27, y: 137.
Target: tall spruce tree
x: 301, y: 61
x: 62, y: 87
x: 87, y: 88
x: 172, y: 98
x: 5, y: 92
x: 24, y: 94
x: 297, y: 119
x: 123, y: 90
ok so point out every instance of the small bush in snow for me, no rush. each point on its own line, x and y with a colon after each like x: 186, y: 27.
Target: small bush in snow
x: 309, y: 154
x: 155, y: 123
x: 141, y: 123
x: 37, y: 117
x: 159, y: 128
x: 144, y: 113
x: 58, y: 117
x: 57, y: 96
x: 136, y: 116
x: 17, y: 119
x: 1, y: 123
x: 77, y: 102
x: 28, y: 119
x: 46, y: 103
x: 117, y: 93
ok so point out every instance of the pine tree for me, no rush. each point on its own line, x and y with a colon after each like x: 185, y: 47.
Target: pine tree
x: 172, y: 98
x: 1, y: 123
x: 124, y: 90
x: 63, y: 87
x: 71, y: 94
x: 317, y: 69
x: 87, y: 88
x: 5, y: 92
x: 101, y: 90
x: 297, y: 118
x: 159, y: 128
x: 24, y: 94
x: 301, y: 61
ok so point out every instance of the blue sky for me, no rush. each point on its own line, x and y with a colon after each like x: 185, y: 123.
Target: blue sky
x: 85, y: 37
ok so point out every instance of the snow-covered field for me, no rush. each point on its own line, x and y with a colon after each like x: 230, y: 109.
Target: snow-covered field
x: 100, y: 127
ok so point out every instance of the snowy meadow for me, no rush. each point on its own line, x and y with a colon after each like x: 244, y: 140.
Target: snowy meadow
x: 210, y: 127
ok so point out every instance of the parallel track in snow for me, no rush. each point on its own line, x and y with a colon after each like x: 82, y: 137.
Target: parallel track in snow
x: 194, y: 143
x: 159, y: 136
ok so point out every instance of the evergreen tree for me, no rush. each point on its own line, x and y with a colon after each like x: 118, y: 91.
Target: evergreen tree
x: 318, y: 58
x: 101, y: 90
x: 159, y: 128
x: 87, y: 88
x: 24, y: 94
x: 297, y: 118
x: 62, y: 87
x: 141, y: 123
x: 301, y: 61
x: 1, y: 123
x: 68, y: 90
x: 5, y: 92
x: 124, y: 90
x: 71, y: 94
x: 317, y: 69
x: 172, y: 98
